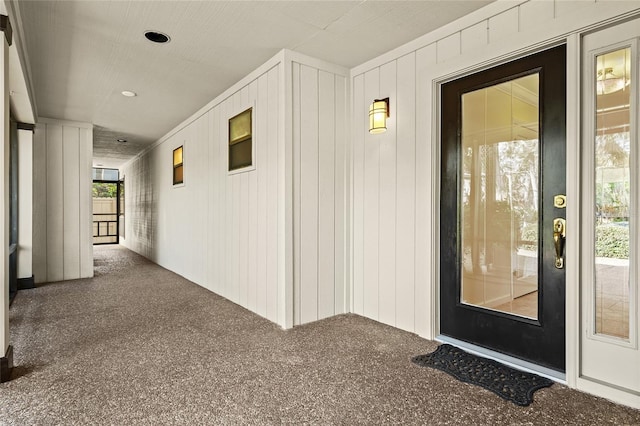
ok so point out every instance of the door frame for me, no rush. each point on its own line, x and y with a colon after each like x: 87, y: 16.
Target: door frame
x: 572, y: 255
x: 515, y: 331
x: 117, y: 213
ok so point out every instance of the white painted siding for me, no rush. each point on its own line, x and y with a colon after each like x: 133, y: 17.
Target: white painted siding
x: 405, y: 230
x: 39, y: 193
x: 228, y: 231
x: 170, y: 224
x: 4, y: 190
x: 319, y: 171
x: 86, y: 202
x: 70, y: 197
x: 62, y: 243
x: 218, y: 229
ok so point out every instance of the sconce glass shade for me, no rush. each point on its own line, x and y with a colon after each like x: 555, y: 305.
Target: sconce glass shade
x: 378, y: 113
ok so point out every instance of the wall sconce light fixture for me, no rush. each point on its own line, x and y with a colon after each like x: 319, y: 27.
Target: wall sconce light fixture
x: 378, y: 113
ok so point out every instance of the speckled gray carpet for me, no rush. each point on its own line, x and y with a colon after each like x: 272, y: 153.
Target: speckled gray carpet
x: 138, y: 345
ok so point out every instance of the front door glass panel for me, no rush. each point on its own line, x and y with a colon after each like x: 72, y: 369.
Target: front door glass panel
x: 499, y: 197
x: 613, y: 189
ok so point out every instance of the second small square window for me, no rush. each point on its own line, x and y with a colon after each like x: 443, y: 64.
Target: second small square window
x: 240, y: 141
x: 178, y: 166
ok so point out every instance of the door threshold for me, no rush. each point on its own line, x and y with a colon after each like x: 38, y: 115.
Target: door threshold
x: 517, y: 363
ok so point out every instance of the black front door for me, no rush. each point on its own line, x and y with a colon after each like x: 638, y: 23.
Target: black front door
x: 502, y: 212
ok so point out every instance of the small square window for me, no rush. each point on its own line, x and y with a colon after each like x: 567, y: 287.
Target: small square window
x: 240, y: 140
x: 178, y: 166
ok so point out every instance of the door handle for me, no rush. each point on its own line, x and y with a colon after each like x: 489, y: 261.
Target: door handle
x: 559, y: 236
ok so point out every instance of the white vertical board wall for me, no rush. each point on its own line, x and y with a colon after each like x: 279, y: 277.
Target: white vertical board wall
x: 4, y: 215
x: 62, y: 236
x: 217, y: 229
x: 384, y: 196
x: 319, y: 172
x: 85, y: 199
x: 39, y: 204
x: 70, y: 197
x: 229, y: 231
x: 140, y: 207
x: 395, y: 208
x: 54, y: 238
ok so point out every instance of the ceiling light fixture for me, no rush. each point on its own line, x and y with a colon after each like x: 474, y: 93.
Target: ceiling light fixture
x: 608, y: 82
x: 121, y: 140
x: 129, y: 93
x: 157, y: 37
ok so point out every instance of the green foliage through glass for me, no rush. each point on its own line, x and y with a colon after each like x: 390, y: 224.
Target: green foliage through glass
x: 105, y: 190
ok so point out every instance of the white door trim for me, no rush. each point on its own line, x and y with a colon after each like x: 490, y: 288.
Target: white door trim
x: 572, y: 181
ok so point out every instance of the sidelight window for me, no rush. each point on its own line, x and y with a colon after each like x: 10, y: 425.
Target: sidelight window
x: 613, y: 187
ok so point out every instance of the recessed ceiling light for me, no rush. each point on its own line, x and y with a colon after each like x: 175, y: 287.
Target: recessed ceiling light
x: 121, y: 140
x: 157, y: 37
x: 129, y: 93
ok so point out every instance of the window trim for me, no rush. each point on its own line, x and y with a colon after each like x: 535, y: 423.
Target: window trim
x: 247, y: 106
x: 175, y: 166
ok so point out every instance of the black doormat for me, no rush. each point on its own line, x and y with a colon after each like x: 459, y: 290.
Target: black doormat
x: 511, y: 384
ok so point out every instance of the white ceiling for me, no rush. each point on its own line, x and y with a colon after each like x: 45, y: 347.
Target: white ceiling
x: 83, y: 54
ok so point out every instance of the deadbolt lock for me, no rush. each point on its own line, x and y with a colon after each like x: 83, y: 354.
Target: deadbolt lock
x: 560, y: 201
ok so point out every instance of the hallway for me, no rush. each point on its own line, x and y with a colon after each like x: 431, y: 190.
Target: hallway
x: 138, y: 344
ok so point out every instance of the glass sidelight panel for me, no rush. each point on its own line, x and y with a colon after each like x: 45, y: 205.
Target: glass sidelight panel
x: 613, y: 189
x: 499, y: 194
